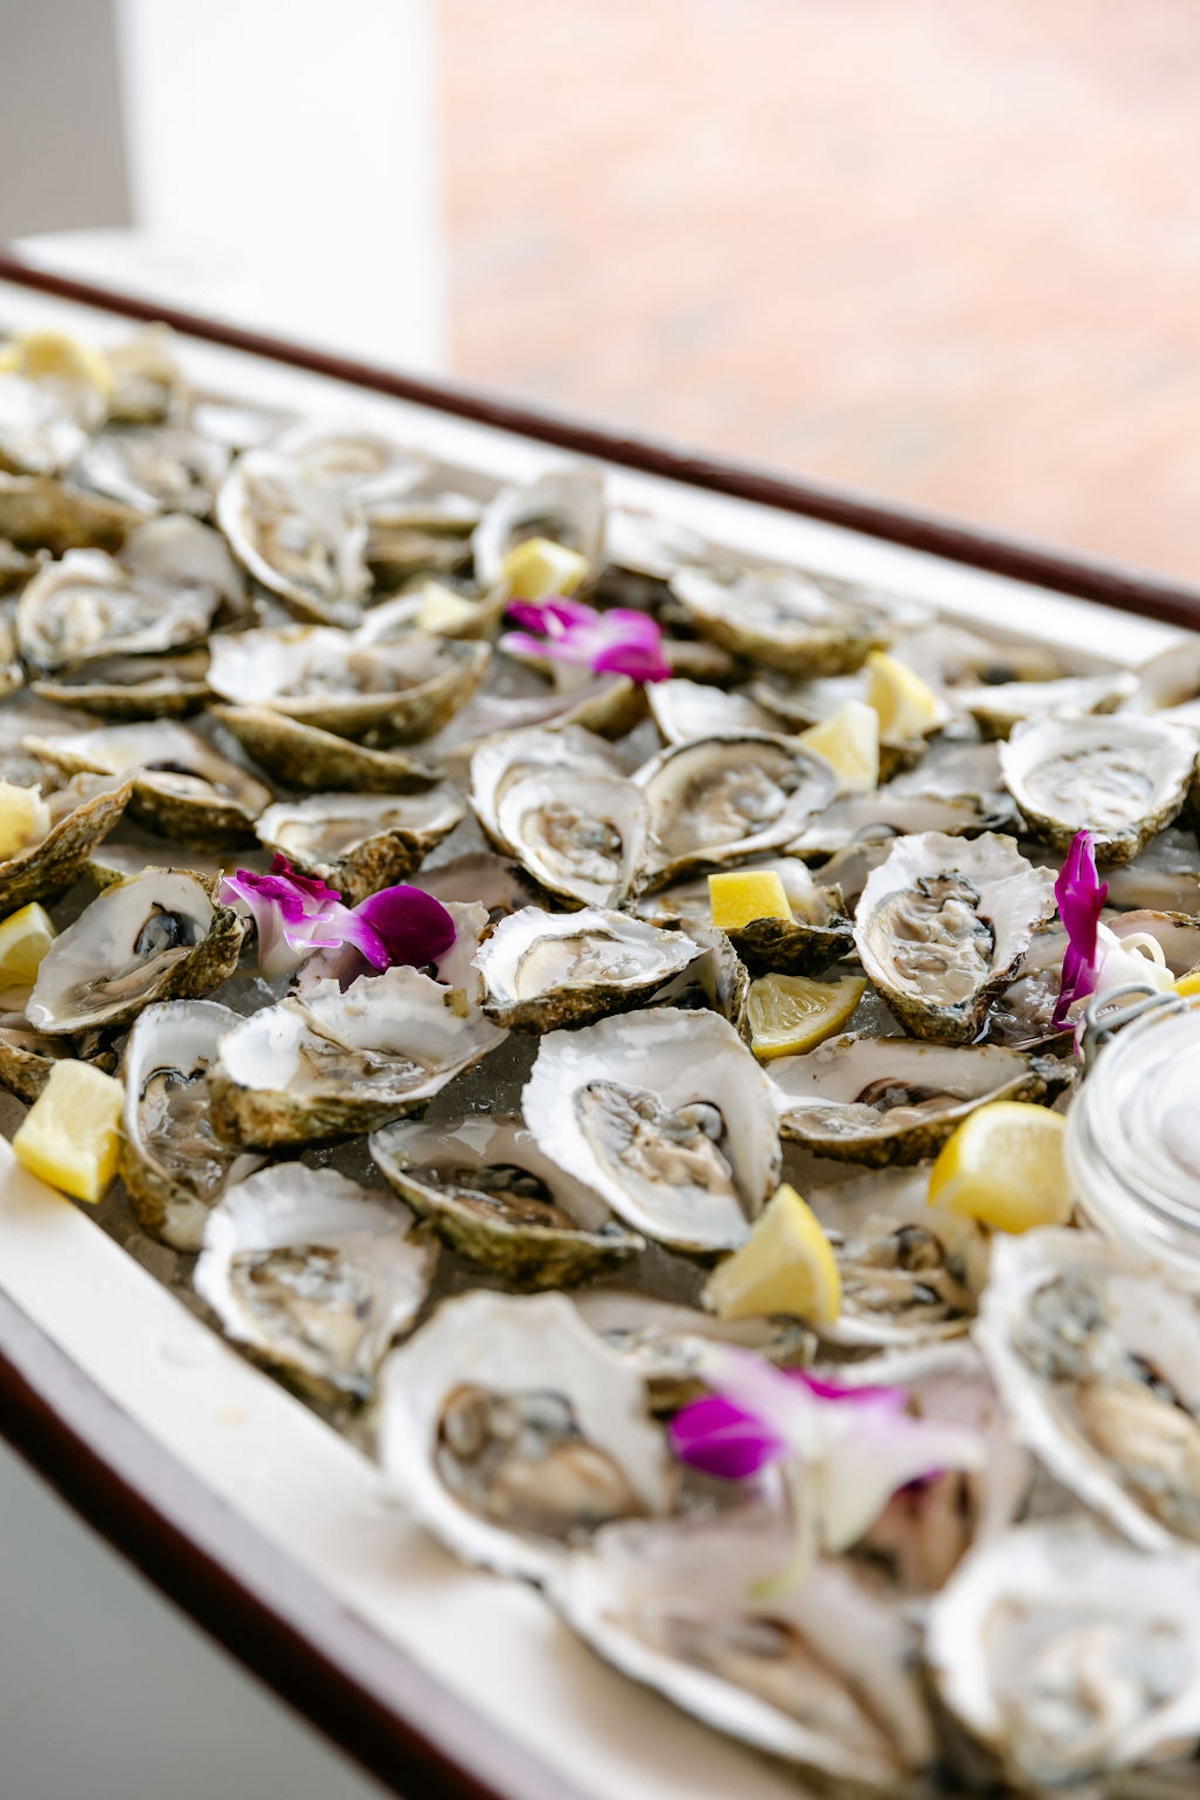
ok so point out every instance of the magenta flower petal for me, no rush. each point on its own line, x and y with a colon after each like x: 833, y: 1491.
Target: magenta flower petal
x: 894, y: 1399
x: 618, y: 642
x: 413, y: 927
x: 1081, y: 895
x: 722, y: 1439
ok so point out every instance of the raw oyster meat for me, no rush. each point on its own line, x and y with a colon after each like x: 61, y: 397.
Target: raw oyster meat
x: 359, y: 843
x: 821, y: 1674
x: 1068, y: 1654
x: 510, y: 1428
x: 910, y: 1272
x: 1094, y: 1353
x: 1121, y: 778
x: 329, y: 1064
x: 315, y: 1273
x: 541, y: 970
x: 880, y: 1100
x: 496, y: 1198
x: 157, y: 936
x: 665, y: 1114
x: 173, y: 1167
x: 943, y: 924
x: 724, y: 799
x: 167, y: 468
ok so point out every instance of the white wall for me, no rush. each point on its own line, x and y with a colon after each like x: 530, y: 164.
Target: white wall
x: 106, y: 1693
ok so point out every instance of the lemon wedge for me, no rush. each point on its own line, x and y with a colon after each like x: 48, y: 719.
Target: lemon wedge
x: 538, y: 566
x: 740, y: 896
x: 25, y: 937
x: 907, y: 706
x: 24, y: 818
x: 444, y: 611
x: 50, y: 355
x: 788, y: 1014
x: 69, y: 1136
x: 1005, y: 1166
x: 850, y: 741
x: 1189, y: 984
x: 786, y: 1265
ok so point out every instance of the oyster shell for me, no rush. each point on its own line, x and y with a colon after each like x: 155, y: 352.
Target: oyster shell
x: 182, y: 787
x: 541, y: 970
x: 822, y: 1674
x: 859, y: 819
x: 567, y: 507
x: 301, y: 756
x: 304, y: 541
x: 785, y: 618
x: 173, y: 1167
x: 329, y: 1064
x: 724, y: 799
x: 943, y: 924
x: 1067, y: 1654
x: 686, y: 710
x: 1094, y: 1353
x: 384, y: 694
x: 363, y: 465
x: 27, y: 1057
x: 996, y: 709
x: 510, y: 1428
x: 816, y: 935
x: 578, y: 834
x: 666, y: 1115
x: 315, y: 1273
x: 132, y: 687
x: 39, y: 513
x: 149, y: 385
x: 881, y: 1100
x: 493, y: 1195
x: 157, y: 936
x: 911, y: 1273
x: 501, y: 887
x: 167, y: 468
x: 81, y: 815
x: 359, y: 843
x: 1121, y: 778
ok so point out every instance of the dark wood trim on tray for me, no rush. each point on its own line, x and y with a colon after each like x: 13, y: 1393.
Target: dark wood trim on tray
x: 365, y: 1693
x: 1110, y: 584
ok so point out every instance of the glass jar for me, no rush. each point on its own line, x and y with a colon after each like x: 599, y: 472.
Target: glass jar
x: 1133, y: 1137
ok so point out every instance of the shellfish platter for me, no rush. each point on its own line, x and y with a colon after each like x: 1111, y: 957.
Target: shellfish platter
x: 552, y: 943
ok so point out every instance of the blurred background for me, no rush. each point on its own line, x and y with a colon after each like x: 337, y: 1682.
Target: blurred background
x: 948, y: 253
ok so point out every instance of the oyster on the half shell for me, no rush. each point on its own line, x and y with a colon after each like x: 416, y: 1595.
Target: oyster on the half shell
x: 541, y: 970
x: 943, y: 924
x: 1121, y: 778
x: 511, y: 1429
x: 359, y: 843
x: 881, y: 1100
x: 156, y: 936
x: 724, y: 799
x: 665, y: 1114
x: 496, y: 1198
x: 314, y: 1273
x: 173, y: 1167
x: 327, y: 1064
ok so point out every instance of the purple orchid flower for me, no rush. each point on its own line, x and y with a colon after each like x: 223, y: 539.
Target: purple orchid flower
x: 843, y: 1452
x: 296, y: 916
x: 617, y: 642
x: 1096, y: 960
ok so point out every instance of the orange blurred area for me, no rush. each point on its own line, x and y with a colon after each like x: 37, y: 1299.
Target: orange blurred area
x: 950, y: 253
